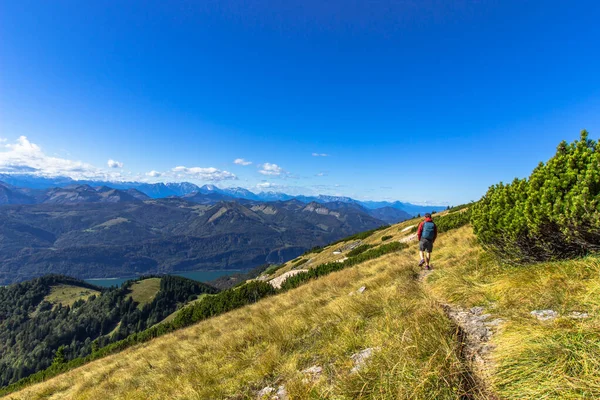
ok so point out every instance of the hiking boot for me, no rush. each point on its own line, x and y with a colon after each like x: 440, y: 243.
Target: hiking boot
x: 421, y: 262
x: 429, y: 267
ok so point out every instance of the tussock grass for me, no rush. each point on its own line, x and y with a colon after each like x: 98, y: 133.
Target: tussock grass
x: 236, y: 354
x: 557, y: 359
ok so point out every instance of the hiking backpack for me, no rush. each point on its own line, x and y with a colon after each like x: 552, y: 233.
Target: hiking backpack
x: 428, y: 230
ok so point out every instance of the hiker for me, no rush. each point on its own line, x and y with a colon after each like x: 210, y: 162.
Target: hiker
x: 427, y: 233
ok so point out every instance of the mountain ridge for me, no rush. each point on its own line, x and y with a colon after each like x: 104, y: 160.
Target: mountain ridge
x: 163, y: 190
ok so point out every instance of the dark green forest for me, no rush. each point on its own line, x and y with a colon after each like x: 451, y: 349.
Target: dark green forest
x: 35, y: 333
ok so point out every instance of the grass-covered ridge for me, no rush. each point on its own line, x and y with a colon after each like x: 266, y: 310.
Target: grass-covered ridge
x: 273, y: 341
x: 235, y: 354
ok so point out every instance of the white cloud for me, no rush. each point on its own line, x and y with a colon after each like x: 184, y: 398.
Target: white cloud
x: 153, y: 174
x: 321, y: 174
x: 2, y: 140
x: 25, y: 157
x: 320, y: 155
x: 241, y: 161
x: 205, y: 174
x: 114, y: 164
x: 271, y: 169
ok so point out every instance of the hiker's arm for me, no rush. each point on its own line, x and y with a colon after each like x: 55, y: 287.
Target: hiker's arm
x: 420, y: 231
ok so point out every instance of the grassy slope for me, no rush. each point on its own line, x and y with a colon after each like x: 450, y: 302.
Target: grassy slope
x: 533, y: 359
x: 144, y: 291
x: 69, y: 294
x: 325, y: 256
x: 268, y: 343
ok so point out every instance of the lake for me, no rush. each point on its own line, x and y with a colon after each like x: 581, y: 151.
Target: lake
x: 201, y: 276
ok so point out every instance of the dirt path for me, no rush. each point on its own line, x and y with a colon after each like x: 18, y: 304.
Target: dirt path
x: 474, y: 330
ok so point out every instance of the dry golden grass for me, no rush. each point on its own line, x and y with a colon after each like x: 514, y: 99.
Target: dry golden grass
x: 557, y: 359
x: 271, y: 342
x: 325, y: 256
x: 69, y: 294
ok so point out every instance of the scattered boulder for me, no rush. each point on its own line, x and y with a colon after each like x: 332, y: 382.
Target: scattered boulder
x: 313, y: 373
x: 273, y: 394
x: 544, y: 315
x: 361, y: 358
x: 359, y: 291
x: 341, y: 260
x: 266, y: 391
x: 578, y: 315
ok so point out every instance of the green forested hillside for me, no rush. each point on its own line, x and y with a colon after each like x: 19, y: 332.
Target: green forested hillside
x: 41, y: 316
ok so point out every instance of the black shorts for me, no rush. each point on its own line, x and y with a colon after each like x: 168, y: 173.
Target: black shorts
x: 426, y: 245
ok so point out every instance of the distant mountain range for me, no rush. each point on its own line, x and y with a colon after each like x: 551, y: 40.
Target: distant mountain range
x: 94, y: 233
x: 192, y: 191
x: 104, y: 229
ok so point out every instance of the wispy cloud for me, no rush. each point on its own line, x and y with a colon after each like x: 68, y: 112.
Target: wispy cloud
x: 241, y: 161
x: 204, y: 174
x: 268, y: 185
x: 25, y: 157
x: 320, y: 155
x: 321, y: 174
x: 114, y: 164
x: 271, y: 169
x: 153, y: 174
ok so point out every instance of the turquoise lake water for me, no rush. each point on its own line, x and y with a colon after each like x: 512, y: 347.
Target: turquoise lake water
x: 202, y: 276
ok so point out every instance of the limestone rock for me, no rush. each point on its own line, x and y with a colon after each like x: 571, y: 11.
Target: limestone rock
x: 544, y: 315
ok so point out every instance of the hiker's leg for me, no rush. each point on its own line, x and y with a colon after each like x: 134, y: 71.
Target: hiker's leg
x: 421, y: 254
x: 428, y: 255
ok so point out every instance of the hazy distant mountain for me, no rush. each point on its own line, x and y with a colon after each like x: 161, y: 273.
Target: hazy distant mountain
x: 202, y: 197
x: 164, y: 190
x: 390, y: 215
x: 127, y: 238
x: 274, y: 196
x: 240, y: 193
x: 11, y: 195
x: 412, y: 209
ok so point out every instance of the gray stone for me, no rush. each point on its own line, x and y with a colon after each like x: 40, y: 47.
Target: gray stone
x: 362, y: 289
x: 476, y: 310
x: 266, y: 391
x: 273, y: 394
x: 544, y: 315
x: 281, y: 394
x: 578, y: 315
x: 313, y: 373
x: 495, y: 322
x: 361, y: 358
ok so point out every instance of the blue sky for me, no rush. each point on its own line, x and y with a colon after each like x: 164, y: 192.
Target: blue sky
x: 422, y: 101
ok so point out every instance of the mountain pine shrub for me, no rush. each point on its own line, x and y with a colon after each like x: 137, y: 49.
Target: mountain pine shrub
x: 555, y: 214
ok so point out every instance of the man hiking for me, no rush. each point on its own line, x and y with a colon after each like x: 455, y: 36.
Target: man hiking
x: 427, y: 233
